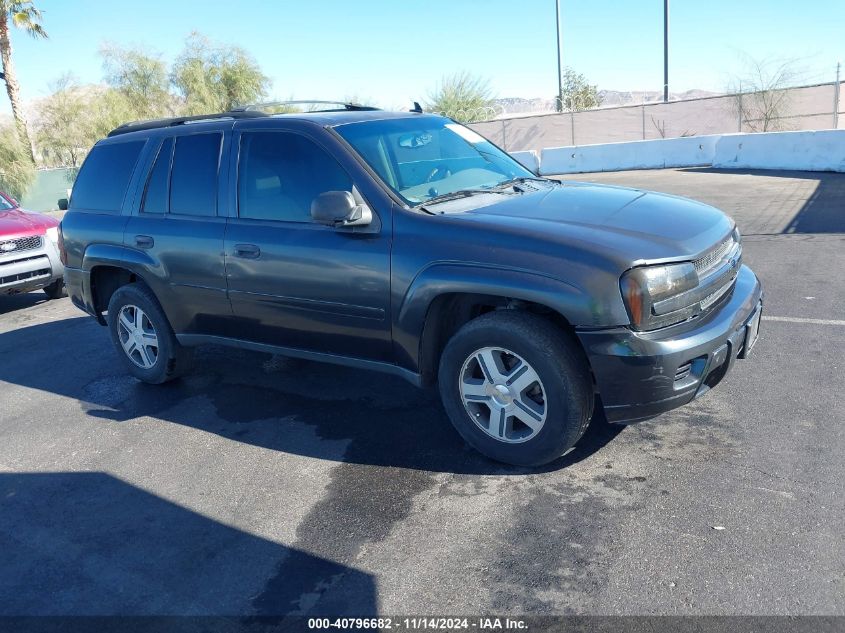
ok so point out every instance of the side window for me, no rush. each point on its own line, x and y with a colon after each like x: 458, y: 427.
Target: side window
x: 155, y: 199
x: 104, y: 178
x: 280, y: 174
x: 193, y: 179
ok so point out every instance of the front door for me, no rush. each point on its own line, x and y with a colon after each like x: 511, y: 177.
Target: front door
x: 295, y: 283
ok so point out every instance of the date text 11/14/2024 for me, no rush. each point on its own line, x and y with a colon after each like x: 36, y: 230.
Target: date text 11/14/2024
x: 418, y: 624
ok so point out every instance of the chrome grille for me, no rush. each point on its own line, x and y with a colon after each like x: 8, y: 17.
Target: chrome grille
x: 717, y: 270
x: 714, y: 257
x: 8, y: 247
x: 713, y: 297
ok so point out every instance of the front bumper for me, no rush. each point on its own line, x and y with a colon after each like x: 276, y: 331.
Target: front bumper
x: 642, y: 374
x: 30, y: 269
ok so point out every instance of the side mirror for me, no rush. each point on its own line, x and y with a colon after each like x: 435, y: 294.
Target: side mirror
x: 338, y: 208
x: 62, y: 204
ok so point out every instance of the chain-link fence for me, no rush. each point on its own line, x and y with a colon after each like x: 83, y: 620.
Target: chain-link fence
x: 813, y: 107
x: 469, y: 115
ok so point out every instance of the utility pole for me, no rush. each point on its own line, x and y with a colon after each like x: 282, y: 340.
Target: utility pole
x: 559, y: 69
x: 836, y: 99
x: 665, y: 51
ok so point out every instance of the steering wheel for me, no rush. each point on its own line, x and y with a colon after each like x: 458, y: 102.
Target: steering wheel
x: 438, y: 170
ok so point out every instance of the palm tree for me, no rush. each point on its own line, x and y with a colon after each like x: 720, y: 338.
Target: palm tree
x: 23, y: 15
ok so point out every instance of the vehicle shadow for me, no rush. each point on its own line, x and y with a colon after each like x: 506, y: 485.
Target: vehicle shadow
x: 254, y: 397
x: 91, y: 544
x: 821, y: 213
x: 10, y: 303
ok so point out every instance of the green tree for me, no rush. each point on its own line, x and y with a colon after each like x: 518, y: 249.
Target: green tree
x: 463, y: 97
x: 212, y: 77
x: 25, y: 16
x: 577, y: 93
x: 141, y: 78
x: 17, y: 170
x: 75, y: 117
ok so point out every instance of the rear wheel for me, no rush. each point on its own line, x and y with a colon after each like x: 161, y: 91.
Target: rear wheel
x: 55, y: 290
x: 516, y: 387
x: 143, y: 337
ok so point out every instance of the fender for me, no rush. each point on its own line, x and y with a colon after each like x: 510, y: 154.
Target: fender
x: 576, y: 305
x: 137, y: 262
x: 120, y: 256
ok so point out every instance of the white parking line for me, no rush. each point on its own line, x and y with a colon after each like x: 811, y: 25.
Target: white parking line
x: 803, y: 320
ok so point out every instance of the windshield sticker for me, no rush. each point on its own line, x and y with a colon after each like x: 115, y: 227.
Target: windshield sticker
x: 465, y: 133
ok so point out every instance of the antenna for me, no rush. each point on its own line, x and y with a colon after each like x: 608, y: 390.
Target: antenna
x: 417, y: 108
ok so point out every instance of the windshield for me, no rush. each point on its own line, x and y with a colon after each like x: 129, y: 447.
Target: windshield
x: 421, y: 158
x: 5, y: 205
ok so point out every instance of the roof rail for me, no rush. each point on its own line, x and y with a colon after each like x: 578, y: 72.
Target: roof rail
x: 153, y: 124
x: 340, y: 106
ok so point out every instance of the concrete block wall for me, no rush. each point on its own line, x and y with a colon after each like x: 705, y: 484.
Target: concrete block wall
x: 822, y: 150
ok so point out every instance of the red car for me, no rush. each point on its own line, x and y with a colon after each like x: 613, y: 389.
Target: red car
x: 29, y: 253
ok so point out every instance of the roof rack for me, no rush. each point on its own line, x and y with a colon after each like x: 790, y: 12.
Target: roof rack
x: 153, y: 124
x: 242, y: 112
x: 340, y: 106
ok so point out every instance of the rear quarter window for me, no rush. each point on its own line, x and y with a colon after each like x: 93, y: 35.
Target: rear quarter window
x: 104, y: 178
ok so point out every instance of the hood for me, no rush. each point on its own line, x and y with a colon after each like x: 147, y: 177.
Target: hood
x: 17, y: 222
x: 639, y: 225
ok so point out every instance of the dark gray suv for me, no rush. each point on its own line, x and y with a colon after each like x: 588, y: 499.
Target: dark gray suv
x: 407, y: 243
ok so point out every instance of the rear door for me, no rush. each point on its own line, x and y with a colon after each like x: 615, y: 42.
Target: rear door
x: 177, y: 224
x: 293, y: 282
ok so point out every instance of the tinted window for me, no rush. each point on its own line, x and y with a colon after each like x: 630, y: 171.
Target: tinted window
x: 5, y: 205
x: 155, y: 200
x: 281, y: 174
x: 193, y: 181
x: 104, y: 178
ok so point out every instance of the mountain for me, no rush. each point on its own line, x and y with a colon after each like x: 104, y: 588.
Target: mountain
x: 610, y: 98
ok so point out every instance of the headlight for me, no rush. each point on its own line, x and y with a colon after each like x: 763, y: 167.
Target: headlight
x: 648, y: 292
x: 53, y: 234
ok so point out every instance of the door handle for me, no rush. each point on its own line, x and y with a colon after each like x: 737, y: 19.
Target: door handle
x: 247, y: 251
x: 144, y: 241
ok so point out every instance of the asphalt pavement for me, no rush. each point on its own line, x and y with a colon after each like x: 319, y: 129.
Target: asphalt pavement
x: 262, y: 486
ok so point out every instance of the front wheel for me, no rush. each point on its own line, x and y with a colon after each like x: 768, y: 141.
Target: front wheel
x: 55, y: 290
x: 143, y: 337
x: 516, y: 387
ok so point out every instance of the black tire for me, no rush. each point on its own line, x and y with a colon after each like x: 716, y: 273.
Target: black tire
x: 172, y: 360
x: 56, y: 290
x: 560, y: 365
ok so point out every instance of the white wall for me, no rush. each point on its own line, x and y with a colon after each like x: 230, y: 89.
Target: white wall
x: 810, y: 151
x: 823, y: 150
x: 657, y: 154
x: 529, y: 159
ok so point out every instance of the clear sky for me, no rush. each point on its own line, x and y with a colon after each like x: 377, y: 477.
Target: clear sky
x: 394, y: 51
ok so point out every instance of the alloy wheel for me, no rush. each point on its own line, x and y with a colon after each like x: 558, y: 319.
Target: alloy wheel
x: 503, y: 394
x: 137, y: 336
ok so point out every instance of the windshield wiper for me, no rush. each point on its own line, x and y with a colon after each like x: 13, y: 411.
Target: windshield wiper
x: 457, y: 195
x: 516, y: 181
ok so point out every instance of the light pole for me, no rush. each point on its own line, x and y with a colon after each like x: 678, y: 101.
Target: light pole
x: 665, y: 51
x: 559, y: 99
